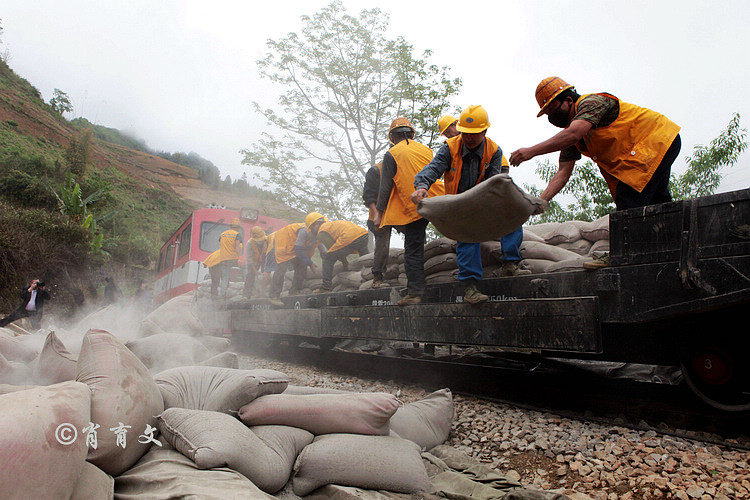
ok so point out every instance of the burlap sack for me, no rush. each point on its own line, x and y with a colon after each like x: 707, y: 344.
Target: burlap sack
x: 223, y: 360
x: 441, y: 262
x: 581, y: 246
x: 212, y: 439
x: 54, y: 364
x: 8, y: 388
x: 168, y: 350
x: 354, y: 413
x: 15, y: 372
x: 166, y: 474
x: 93, y: 484
x: 438, y: 246
x: 599, y: 246
x: 597, y: 230
x: 372, y: 462
x: 543, y: 229
x: 566, y: 232
x: 568, y: 265
x: 174, y: 316
x: 123, y: 393
x: 426, y: 422
x: 216, y: 389
x: 448, y: 276
x: 529, y: 235
x: 537, y: 266
x: 488, y: 211
x: 36, y: 425
x: 15, y: 350
x: 536, y: 250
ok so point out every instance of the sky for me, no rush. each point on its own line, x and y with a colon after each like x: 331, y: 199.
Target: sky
x: 182, y: 75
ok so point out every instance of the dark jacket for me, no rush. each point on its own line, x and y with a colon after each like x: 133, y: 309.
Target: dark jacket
x: 41, y: 296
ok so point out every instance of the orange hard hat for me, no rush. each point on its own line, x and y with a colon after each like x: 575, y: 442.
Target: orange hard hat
x: 446, y: 121
x: 399, y: 123
x: 473, y: 120
x: 258, y: 233
x: 548, y: 89
x: 235, y: 222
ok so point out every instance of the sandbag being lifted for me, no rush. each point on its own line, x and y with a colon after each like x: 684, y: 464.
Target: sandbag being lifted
x: 488, y: 211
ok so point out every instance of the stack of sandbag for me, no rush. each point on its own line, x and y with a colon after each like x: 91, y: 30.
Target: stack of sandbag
x: 176, y: 315
x: 168, y: 350
x: 393, y: 268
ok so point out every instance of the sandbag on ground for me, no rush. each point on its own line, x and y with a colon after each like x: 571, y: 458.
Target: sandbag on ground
x: 8, y: 388
x: 174, y: 316
x: 355, y: 413
x: 426, y: 422
x: 212, y: 439
x: 93, y: 483
x: 488, y: 211
x: 15, y: 350
x: 371, y: 462
x: 123, y: 392
x: 35, y: 462
x: 166, y: 474
x: 217, y: 389
x: 168, y: 350
x: 55, y: 363
x: 14, y: 372
x: 223, y: 360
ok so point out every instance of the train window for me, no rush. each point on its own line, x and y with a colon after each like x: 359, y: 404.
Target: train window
x: 185, y: 240
x: 161, y: 262
x: 210, y: 233
x: 168, y: 256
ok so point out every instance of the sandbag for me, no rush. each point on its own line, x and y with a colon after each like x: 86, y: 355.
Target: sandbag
x: 573, y: 264
x: 166, y: 474
x: 566, y: 232
x: 36, y: 424
x: 426, y: 422
x: 529, y: 235
x: 491, y: 252
x: 488, y: 211
x: 174, y: 316
x: 354, y: 413
x: 122, y: 392
x: 217, y: 389
x: 581, y: 246
x: 599, y: 246
x: 14, y: 372
x: 367, y: 259
x: 161, y: 351
x: 212, y: 439
x: 350, y: 279
x: 223, y: 360
x: 542, y: 229
x: 14, y: 350
x: 93, y: 483
x: 536, y: 250
x: 54, y: 364
x: 438, y: 246
x: 114, y: 318
x: 215, y: 344
x: 372, y: 462
x: 8, y: 388
x: 442, y: 262
x: 597, y: 230
x: 448, y: 276
x: 537, y: 266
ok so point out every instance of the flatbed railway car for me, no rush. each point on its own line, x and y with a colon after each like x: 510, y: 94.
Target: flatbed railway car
x: 676, y: 293
x: 180, y: 258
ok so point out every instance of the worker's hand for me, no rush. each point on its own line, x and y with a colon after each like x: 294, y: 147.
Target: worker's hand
x: 378, y: 218
x: 418, y: 195
x: 519, y: 156
x: 541, y: 208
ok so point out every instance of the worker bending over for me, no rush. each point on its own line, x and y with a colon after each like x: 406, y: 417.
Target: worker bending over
x: 394, y: 207
x: 255, y: 259
x: 464, y: 161
x: 293, y: 245
x: 634, y: 147
x: 341, y: 238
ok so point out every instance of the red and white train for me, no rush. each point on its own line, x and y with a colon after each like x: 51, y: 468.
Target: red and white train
x: 180, y: 268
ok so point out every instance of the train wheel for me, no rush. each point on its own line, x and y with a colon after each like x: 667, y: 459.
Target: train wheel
x: 714, y: 374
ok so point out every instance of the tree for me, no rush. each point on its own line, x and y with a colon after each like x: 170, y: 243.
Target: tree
x: 344, y: 83
x: 592, y: 196
x: 60, y: 102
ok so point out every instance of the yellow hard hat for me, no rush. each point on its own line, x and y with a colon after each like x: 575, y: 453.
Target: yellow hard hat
x: 446, y: 121
x: 473, y: 120
x: 235, y: 222
x: 400, y: 122
x: 258, y: 233
x: 312, y: 218
x: 548, y: 89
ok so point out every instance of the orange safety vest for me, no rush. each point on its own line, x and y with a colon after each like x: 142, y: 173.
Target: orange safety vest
x: 227, y: 250
x: 342, y: 232
x: 212, y: 259
x: 410, y: 157
x: 452, y: 176
x: 630, y: 148
x: 284, y: 240
x: 256, y: 251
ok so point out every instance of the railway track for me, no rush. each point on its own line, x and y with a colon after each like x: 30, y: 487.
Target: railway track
x: 666, y: 409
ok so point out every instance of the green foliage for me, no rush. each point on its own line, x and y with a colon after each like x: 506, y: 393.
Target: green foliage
x: 344, y: 82
x: 60, y: 102
x: 78, y: 153
x: 703, y: 174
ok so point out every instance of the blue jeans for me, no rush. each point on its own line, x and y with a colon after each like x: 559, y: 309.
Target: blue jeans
x: 511, y: 243
x: 469, y: 260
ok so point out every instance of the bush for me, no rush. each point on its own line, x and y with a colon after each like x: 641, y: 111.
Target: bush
x: 31, y: 192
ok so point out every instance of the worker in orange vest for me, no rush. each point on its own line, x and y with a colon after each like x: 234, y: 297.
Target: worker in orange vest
x: 394, y: 207
x: 255, y: 257
x: 634, y: 147
x: 340, y: 238
x: 293, y: 247
x: 230, y: 249
x: 464, y: 161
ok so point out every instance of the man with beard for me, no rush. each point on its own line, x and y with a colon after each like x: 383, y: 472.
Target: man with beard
x: 634, y: 147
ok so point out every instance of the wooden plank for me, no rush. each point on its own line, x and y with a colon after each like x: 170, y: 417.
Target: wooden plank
x: 303, y: 322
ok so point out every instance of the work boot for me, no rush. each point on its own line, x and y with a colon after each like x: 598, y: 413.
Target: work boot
x: 275, y: 301
x: 511, y: 268
x: 410, y: 300
x: 324, y: 289
x: 597, y: 263
x: 378, y: 282
x: 473, y: 296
